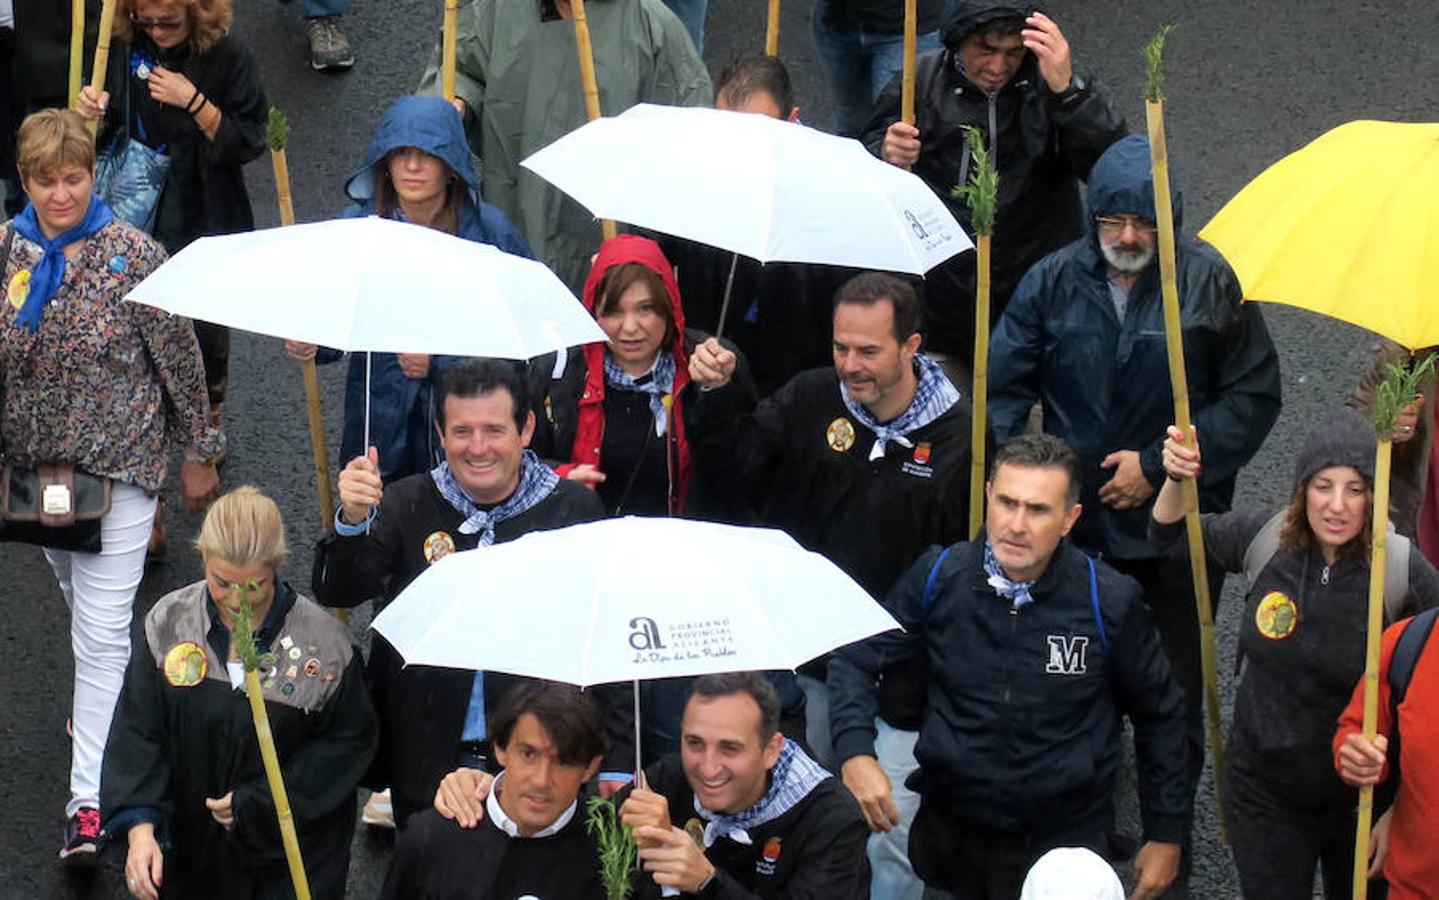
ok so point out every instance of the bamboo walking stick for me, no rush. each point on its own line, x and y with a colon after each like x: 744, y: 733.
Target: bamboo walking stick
x: 587, y: 78
x: 981, y: 193
x: 906, y: 97
x: 771, y: 30
x: 244, y: 641
x: 277, y: 134
x: 449, y: 43
x: 1179, y: 384
x: 77, y: 48
x: 1399, y: 389
x: 102, y: 53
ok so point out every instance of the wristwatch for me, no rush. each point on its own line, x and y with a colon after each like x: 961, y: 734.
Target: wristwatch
x: 1076, y: 86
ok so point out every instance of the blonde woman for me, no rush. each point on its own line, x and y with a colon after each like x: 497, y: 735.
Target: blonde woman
x: 183, y: 779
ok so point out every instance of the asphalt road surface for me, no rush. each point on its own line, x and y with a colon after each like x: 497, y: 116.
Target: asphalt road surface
x: 1248, y: 82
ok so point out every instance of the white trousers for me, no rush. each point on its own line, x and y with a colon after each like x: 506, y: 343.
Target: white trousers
x: 100, y: 590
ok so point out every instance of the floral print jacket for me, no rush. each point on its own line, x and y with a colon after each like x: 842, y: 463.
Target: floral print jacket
x: 108, y: 385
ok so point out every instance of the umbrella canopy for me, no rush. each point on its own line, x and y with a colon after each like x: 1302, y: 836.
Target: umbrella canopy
x: 1348, y: 227
x: 630, y: 599
x: 373, y: 284
x: 775, y: 191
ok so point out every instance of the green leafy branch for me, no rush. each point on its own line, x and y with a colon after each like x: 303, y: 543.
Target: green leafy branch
x: 277, y: 130
x: 982, y: 190
x: 1399, y: 388
x: 242, y: 634
x: 1154, y: 65
x: 618, y: 854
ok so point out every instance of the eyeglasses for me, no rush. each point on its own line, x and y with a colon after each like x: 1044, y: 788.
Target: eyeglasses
x: 1116, y: 224
x: 157, y: 24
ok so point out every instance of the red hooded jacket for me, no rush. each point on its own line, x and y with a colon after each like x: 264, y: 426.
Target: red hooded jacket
x: 590, y: 429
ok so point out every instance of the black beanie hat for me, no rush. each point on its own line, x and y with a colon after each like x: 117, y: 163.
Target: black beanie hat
x: 1345, y: 439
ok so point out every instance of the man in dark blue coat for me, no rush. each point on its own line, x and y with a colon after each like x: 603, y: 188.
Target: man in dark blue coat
x: 1035, y: 654
x: 1084, y: 336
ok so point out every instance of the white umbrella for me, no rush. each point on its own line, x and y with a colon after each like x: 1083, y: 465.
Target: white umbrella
x: 775, y: 191
x: 373, y: 284
x: 631, y: 599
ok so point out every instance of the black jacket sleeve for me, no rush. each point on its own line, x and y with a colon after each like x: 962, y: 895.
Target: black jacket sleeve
x: 837, y: 869
x: 733, y: 444
x: 243, y: 109
x: 1154, y: 702
x: 136, y: 770
x: 319, y: 775
x: 1016, y: 349
x: 853, y: 676
x: 350, y: 570
x: 1086, y: 125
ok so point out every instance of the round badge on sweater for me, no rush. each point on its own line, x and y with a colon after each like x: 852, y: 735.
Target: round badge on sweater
x: 1276, y: 616
x: 840, y: 434
x: 186, y: 664
x: 18, y: 288
x: 437, y: 546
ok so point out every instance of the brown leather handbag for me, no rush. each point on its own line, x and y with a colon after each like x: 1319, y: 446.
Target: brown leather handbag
x: 54, y: 505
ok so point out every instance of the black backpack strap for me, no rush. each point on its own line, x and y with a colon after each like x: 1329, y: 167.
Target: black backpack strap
x: 1094, y: 604
x: 1406, y: 656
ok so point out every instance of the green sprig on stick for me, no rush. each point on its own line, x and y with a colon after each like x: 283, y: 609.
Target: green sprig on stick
x: 618, y: 853
x: 1399, y: 388
x: 1154, y: 65
x: 277, y: 130
x: 982, y: 190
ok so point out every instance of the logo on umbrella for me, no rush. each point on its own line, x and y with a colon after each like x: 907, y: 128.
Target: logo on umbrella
x: 915, y: 225
x: 646, y: 634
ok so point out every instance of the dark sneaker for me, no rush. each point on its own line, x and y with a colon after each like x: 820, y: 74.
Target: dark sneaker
x: 329, y: 48
x: 82, y: 837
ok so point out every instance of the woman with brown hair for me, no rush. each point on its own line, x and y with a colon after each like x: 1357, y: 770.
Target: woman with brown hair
x: 179, y: 82
x: 1301, y: 645
x: 108, y: 387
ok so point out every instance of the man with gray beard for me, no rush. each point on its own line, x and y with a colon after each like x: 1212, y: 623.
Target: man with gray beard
x: 1084, y: 336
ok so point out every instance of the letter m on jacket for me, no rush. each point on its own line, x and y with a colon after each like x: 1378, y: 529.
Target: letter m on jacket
x: 1066, y: 655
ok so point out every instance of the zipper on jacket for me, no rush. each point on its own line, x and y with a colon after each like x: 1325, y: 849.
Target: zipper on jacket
x: 1324, y: 576
x: 992, y: 98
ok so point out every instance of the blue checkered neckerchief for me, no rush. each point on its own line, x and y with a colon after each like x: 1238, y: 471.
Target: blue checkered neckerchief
x: 657, y: 382
x: 1016, y: 592
x: 794, y: 776
x: 537, y: 480
x: 933, y: 396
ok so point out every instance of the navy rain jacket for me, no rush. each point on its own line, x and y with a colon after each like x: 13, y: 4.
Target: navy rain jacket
x: 1104, y: 384
x: 402, y: 408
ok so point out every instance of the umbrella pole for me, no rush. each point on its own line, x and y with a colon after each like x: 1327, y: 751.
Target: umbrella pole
x: 771, y: 30
x: 77, y: 48
x: 639, y: 769
x: 587, y: 78
x: 724, y: 304
x: 277, y: 135
x: 1179, y: 384
x: 449, y: 43
x: 906, y: 103
x: 365, y: 447
x: 1382, y: 456
x: 102, y: 53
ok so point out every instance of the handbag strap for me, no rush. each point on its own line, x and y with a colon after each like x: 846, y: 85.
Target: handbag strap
x: 5, y: 250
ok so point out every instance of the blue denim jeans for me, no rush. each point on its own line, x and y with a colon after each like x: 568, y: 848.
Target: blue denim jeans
x: 317, y: 8
x: 692, y: 14
x: 891, y: 877
x: 860, y: 62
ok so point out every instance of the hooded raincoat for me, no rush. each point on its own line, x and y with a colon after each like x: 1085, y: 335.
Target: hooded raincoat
x: 518, y: 72
x: 1042, y: 144
x: 572, y: 411
x: 402, y: 409
x: 1104, y: 383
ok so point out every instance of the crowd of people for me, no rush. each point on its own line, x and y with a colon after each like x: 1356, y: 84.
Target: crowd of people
x: 972, y: 755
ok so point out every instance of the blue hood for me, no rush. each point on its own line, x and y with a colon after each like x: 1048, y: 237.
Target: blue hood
x: 1122, y: 183
x: 429, y: 123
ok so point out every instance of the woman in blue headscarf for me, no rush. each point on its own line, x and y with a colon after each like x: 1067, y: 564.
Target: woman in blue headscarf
x: 417, y: 170
x: 108, y: 387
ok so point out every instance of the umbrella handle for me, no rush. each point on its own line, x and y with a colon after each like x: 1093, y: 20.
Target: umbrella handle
x: 365, y: 447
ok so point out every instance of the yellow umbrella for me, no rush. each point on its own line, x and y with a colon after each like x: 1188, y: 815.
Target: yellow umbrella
x: 1347, y: 227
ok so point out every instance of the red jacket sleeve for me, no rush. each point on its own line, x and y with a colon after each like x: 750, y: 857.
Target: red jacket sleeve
x: 1351, y: 721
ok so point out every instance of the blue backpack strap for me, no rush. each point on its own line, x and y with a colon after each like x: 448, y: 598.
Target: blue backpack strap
x: 1094, y: 604
x: 929, y: 582
x: 1406, y: 655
